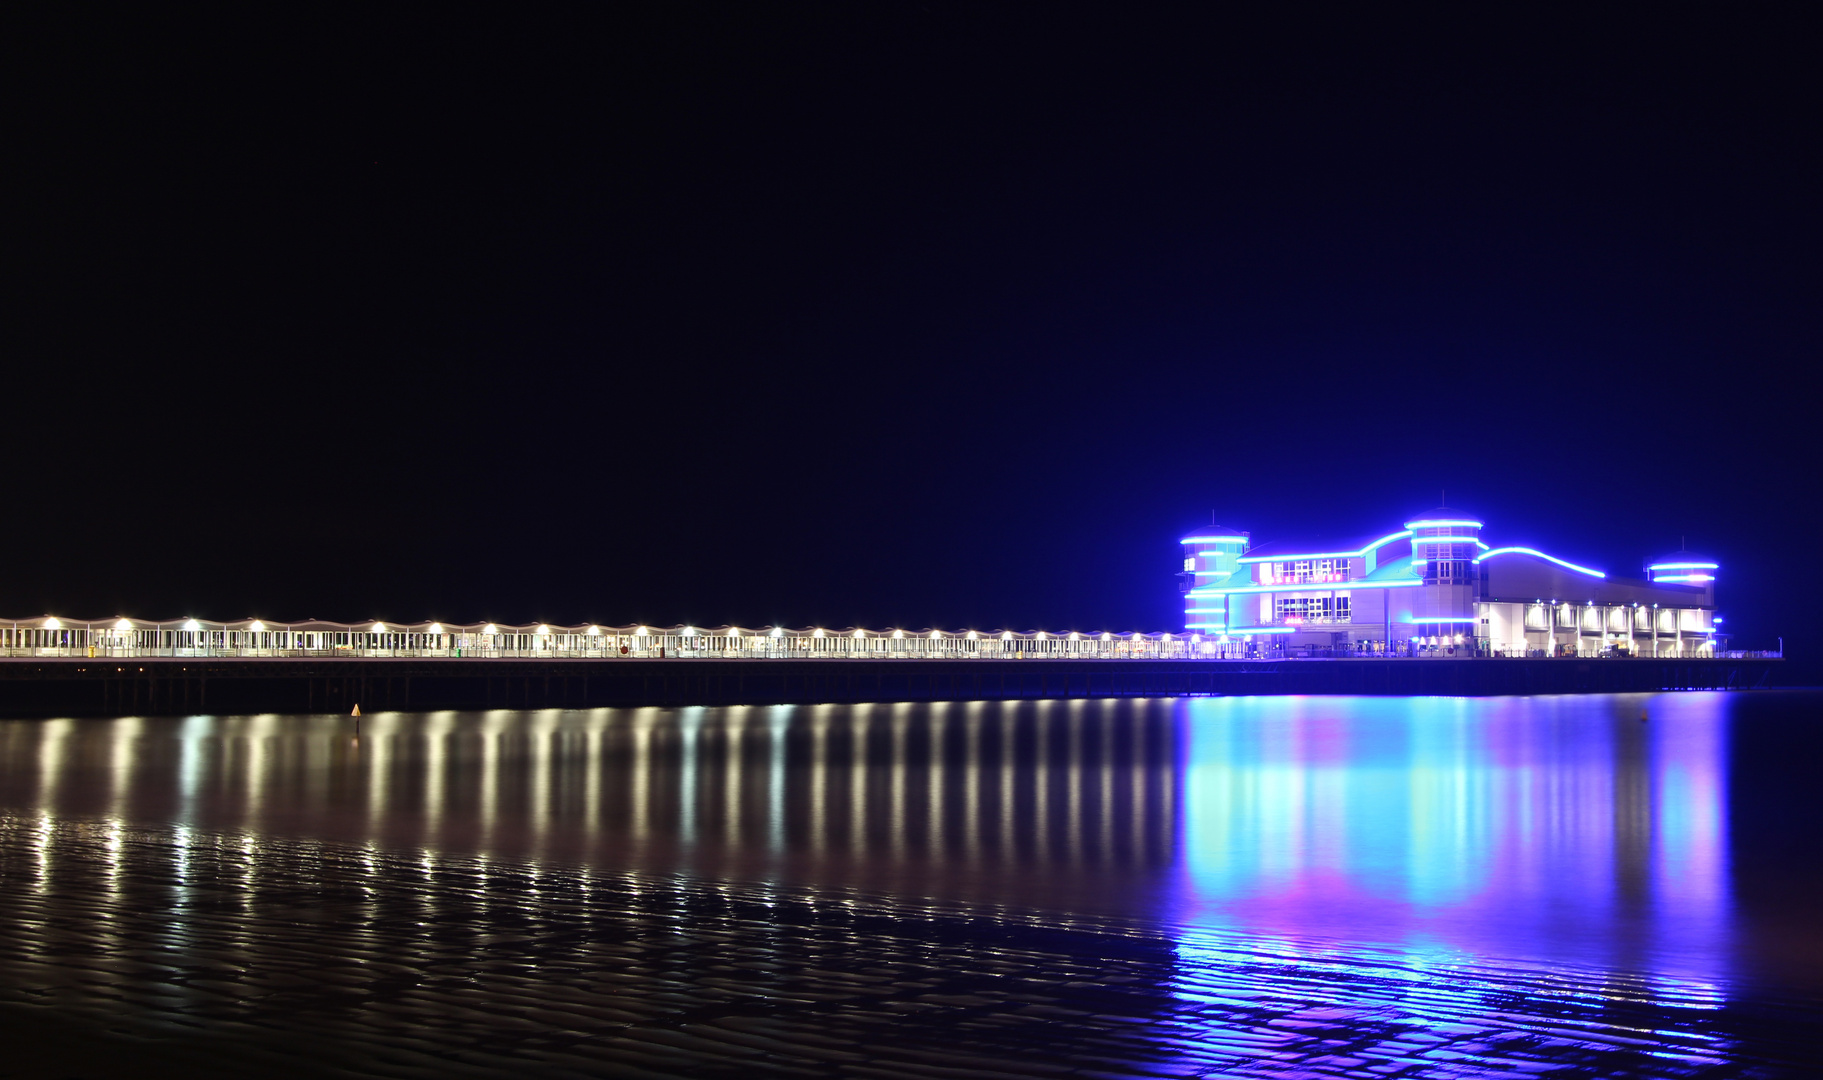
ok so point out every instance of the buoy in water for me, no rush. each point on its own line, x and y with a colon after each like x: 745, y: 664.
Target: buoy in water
x: 357, y: 711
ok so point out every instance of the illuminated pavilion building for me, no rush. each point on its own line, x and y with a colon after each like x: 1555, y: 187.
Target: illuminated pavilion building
x: 1434, y: 588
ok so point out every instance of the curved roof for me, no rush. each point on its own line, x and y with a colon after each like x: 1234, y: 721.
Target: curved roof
x: 1445, y: 515
x: 1205, y: 534
x: 1683, y: 560
x: 1536, y: 554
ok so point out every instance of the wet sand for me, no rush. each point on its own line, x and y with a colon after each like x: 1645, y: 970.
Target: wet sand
x: 222, y: 953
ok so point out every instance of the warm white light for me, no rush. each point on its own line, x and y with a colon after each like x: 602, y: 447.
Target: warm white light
x: 1039, y: 635
x: 936, y: 635
x: 192, y: 624
x: 543, y: 629
x: 257, y: 627
x: 52, y: 624
x: 1105, y: 636
x: 435, y: 628
x: 860, y: 634
x: 1074, y: 636
x: 778, y: 631
x: 898, y: 634
x: 594, y: 631
x: 1006, y: 635
x: 818, y: 632
x: 689, y: 631
x: 639, y: 631
x: 489, y: 629
x: 972, y: 635
x: 123, y: 625
x: 1167, y: 637
x: 733, y: 633
x: 379, y: 628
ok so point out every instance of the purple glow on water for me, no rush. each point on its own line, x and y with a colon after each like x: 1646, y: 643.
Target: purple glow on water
x: 1562, y: 829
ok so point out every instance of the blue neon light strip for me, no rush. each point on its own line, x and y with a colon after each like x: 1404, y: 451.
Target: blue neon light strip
x: 1542, y: 555
x: 1213, y: 540
x: 1443, y: 523
x: 1243, y: 631
x: 1685, y: 566
x: 1382, y: 542
x: 1340, y: 587
x: 1686, y: 578
x: 1450, y: 619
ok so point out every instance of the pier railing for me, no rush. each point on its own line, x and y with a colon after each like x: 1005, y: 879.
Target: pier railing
x: 125, y: 640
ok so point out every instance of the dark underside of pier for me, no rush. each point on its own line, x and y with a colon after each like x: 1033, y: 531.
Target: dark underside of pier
x: 165, y: 687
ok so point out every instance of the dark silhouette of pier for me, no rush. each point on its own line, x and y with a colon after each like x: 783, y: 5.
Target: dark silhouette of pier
x: 87, y: 687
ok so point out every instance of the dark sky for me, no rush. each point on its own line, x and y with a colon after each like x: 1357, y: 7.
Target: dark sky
x: 895, y: 315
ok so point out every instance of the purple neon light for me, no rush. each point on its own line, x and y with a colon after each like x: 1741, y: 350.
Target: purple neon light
x: 1541, y: 555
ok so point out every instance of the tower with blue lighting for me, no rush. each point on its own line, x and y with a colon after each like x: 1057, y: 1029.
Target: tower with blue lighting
x: 1445, y: 544
x: 1211, y: 558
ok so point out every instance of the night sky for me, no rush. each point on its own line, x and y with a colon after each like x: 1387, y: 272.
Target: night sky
x: 915, y: 315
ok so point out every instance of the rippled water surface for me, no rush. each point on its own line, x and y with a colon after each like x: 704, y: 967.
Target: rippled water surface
x: 1187, y: 887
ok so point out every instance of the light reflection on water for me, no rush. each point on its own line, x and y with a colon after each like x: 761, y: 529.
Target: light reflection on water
x: 1410, y: 860
x: 1558, y: 828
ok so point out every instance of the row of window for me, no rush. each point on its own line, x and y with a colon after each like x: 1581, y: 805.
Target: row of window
x: 1449, y: 572
x: 1572, y: 617
x: 1308, y: 571
x: 1296, y: 609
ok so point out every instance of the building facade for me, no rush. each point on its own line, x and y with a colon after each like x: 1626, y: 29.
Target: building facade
x: 1435, y: 587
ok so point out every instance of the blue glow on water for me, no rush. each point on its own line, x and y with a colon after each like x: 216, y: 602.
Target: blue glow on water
x: 1519, y: 827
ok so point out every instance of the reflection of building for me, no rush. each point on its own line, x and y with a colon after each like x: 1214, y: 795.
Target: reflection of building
x: 1435, y: 587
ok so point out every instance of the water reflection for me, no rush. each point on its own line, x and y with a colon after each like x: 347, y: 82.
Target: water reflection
x: 1559, y: 827
x: 1550, y: 827
x: 1247, y: 884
